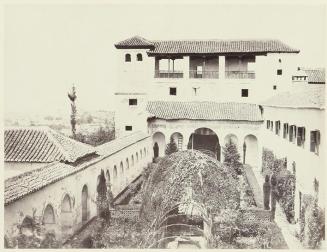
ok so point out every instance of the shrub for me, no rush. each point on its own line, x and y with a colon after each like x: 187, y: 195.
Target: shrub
x: 171, y: 147
x: 232, y: 157
x: 313, y: 231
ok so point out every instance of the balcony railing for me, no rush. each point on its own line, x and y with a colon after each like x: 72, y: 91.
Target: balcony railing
x: 240, y: 75
x: 194, y: 74
x: 168, y: 74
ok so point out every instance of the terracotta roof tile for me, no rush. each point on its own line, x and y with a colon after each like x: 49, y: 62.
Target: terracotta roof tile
x: 309, y: 96
x: 315, y: 75
x: 41, y: 144
x: 204, y: 111
x: 134, y: 42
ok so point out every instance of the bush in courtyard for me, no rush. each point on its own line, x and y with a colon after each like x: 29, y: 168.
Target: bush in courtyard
x: 171, y: 147
x: 232, y: 157
x: 313, y: 232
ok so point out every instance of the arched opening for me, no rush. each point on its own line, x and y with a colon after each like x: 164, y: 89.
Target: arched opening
x: 66, y: 215
x: 115, y: 172
x: 127, y: 57
x: 132, y: 160
x: 206, y: 141
x: 178, y: 138
x: 27, y: 226
x: 144, y: 150
x: 159, y: 144
x: 121, y: 175
x: 102, y: 203
x: 127, y: 164
x: 250, y: 150
x: 141, y: 154
x: 48, y: 215
x: 139, y: 57
x: 137, y: 157
x: 108, y: 177
x: 231, y: 138
x: 85, y: 197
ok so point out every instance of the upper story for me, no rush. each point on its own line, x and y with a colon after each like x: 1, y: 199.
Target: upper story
x: 243, y: 70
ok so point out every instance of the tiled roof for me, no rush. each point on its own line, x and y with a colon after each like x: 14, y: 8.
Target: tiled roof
x: 134, y: 42
x: 41, y: 144
x: 308, y: 96
x: 204, y: 111
x: 120, y: 143
x: 186, y: 47
x: 19, y: 186
x: 315, y: 75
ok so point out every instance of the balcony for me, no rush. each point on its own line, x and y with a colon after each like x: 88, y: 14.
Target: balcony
x: 195, y: 74
x: 239, y: 74
x: 168, y: 74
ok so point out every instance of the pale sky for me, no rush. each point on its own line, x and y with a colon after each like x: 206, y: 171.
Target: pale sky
x: 49, y: 47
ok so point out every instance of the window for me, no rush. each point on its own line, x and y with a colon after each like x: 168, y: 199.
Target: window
x: 300, y: 136
x: 280, y: 60
x: 274, y: 87
x: 268, y: 124
x: 279, y: 71
x: 132, y: 102
x: 172, y: 91
x: 271, y: 125
x: 285, y: 130
x: 127, y: 57
x: 314, y: 141
x: 128, y: 128
x: 292, y: 133
x: 277, y: 127
x: 245, y: 92
x: 139, y: 57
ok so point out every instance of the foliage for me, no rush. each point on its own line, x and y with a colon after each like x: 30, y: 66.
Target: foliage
x: 232, y: 157
x: 102, y: 200
x: 101, y: 136
x: 171, y: 147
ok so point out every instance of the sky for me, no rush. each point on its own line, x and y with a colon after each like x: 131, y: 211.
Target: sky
x: 50, y: 47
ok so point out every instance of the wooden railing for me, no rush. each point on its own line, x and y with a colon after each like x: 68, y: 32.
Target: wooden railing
x: 194, y: 74
x: 240, y: 75
x: 168, y: 74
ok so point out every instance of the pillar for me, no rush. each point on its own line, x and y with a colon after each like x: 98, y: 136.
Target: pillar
x: 221, y: 67
x: 186, y: 67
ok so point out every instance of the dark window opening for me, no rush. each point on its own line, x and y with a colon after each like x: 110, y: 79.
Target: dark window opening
x: 315, y: 141
x: 274, y: 87
x: 128, y: 128
x: 285, y: 130
x: 292, y: 133
x: 132, y: 102
x: 139, y: 57
x: 277, y: 127
x: 127, y: 57
x: 300, y: 136
x: 279, y: 72
x: 172, y: 91
x: 245, y: 93
x: 268, y: 124
x: 280, y: 60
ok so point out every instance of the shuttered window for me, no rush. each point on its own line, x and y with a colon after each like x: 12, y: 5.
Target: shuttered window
x: 292, y: 133
x: 277, y: 127
x: 300, y: 136
x: 285, y: 130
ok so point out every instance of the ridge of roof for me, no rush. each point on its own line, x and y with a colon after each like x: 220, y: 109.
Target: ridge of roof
x: 135, y: 42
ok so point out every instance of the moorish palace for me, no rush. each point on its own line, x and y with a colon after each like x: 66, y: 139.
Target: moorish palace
x: 202, y: 93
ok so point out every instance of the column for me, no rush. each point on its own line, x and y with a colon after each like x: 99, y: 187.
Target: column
x: 221, y: 67
x: 186, y: 67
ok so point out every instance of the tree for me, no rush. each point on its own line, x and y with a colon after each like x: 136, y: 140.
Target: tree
x: 232, y: 157
x: 72, y: 97
x: 171, y: 147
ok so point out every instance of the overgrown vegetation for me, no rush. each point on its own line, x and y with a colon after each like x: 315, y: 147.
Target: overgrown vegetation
x: 232, y: 157
x: 171, y: 147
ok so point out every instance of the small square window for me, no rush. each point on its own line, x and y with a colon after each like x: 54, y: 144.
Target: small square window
x: 280, y: 60
x: 132, y: 102
x: 279, y: 71
x: 172, y: 91
x: 128, y: 128
x: 274, y: 87
x: 245, y: 93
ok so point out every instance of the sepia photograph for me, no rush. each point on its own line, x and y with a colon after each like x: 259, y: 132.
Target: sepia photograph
x: 164, y: 125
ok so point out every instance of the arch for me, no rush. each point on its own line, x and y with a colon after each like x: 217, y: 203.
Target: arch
x: 27, y: 227
x: 132, y: 160
x: 159, y: 144
x: 115, y: 171
x: 127, y: 57
x: 139, y: 57
x: 205, y: 140
x: 108, y: 176
x: 127, y: 164
x: 144, y: 150
x: 251, y: 150
x: 85, y: 196
x: 121, y: 168
x: 231, y: 138
x: 48, y: 215
x: 66, y: 205
x: 141, y: 154
x: 178, y: 138
x: 137, y: 157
